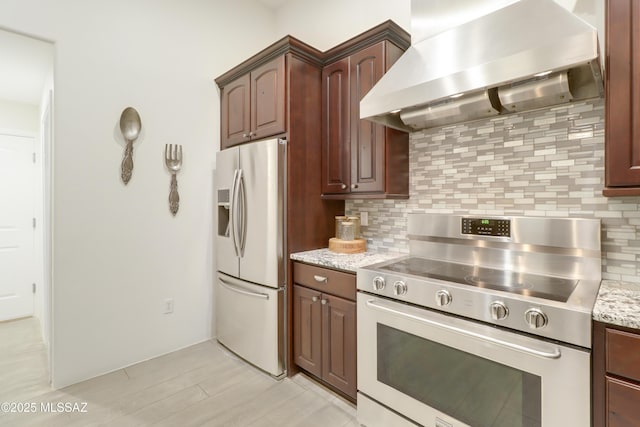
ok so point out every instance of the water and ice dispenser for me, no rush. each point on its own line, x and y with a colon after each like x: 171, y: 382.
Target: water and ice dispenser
x: 223, y: 212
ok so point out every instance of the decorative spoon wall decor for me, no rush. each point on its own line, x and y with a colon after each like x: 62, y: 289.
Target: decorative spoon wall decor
x: 130, y: 126
x: 173, y: 160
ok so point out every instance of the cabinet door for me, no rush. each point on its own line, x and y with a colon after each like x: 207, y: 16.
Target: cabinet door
x: 336, y: 158
x: 623, y: 354
x: 339, y: 343
x: 307, y: 329
x: 267, y: 99
x: 367, y: 138
x: 622, y: 404
x: 622, y: 121
x: 234, y: 113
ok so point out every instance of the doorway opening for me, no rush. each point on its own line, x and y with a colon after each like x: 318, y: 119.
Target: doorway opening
x: 26, y: 138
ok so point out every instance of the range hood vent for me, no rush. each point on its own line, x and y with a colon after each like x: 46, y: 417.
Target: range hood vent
x: 527, y: 55
x: 463, y: 108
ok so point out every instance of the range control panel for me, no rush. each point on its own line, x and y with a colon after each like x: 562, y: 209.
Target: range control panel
x: 486, y: 227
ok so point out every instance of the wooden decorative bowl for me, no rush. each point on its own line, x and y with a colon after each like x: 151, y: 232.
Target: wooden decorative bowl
x: 347, y: 246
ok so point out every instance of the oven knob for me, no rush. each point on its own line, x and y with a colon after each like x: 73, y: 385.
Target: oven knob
x: 378, y: 283
x: 399, y: 288
x: 498, y: 310
x: 535, y: 318
x: 443, y: 298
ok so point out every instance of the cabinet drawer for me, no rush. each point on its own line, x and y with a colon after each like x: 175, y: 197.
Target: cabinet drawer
x: 622, y: 404
x: 325, y: 280
x: 623, y: 354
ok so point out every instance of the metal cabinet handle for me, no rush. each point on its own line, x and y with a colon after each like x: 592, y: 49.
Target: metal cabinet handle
x: 246, y: 135
x: 252, y: 134
x: 323, y: 302
x: 343, y: 186
x: 321, y: 279
x: 354, y: 185
x: 314, y: 299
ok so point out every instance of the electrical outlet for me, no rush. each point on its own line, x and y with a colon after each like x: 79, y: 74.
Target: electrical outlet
x: 168, y: 306
x: 364, y: 219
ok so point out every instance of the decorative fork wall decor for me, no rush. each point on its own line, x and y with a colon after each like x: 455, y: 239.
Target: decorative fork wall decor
x: 173, y: 160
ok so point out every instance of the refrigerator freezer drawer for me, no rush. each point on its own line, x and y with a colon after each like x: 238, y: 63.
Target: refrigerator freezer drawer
x: 249, y: 322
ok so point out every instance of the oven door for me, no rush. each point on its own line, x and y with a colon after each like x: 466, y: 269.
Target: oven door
x: 442, y: 371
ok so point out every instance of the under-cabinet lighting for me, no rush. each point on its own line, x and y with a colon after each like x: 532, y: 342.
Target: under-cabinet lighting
x: 394, y: 111
x: 457, y: 95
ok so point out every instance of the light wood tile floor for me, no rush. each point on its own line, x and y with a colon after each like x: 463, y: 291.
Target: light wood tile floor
x: 201, y: 385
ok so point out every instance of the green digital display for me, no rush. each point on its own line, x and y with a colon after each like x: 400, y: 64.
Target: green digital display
x: 484, y: 221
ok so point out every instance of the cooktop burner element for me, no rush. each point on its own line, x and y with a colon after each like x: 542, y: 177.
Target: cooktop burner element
x: 501, y: 280
x: 548, y: 287
x: 536, y: 275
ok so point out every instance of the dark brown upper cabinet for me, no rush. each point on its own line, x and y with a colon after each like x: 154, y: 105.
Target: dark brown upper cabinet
x: 622, y: 94
x: 253, y: 105
x: 361, y: 159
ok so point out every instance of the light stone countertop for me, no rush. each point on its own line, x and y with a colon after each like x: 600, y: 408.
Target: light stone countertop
x: 618, y: 303
x: 346, y: 262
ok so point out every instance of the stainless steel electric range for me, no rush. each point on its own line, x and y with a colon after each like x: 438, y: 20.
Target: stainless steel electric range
x: 486, y: 323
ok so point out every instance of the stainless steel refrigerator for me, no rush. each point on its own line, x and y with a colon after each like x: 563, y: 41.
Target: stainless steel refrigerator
x: 250, y: 247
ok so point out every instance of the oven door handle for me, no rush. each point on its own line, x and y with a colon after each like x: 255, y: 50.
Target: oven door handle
x: 553, y: 354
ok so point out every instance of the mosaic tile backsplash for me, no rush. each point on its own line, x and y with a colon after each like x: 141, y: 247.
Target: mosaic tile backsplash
x: 547, y: 162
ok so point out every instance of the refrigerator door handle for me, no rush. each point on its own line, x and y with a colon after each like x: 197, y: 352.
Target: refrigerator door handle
x: 242, y: 196
x: 242, y: 291
x: 233, y: 212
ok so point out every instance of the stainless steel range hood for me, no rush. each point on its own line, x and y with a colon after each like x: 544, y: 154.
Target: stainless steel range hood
x: 525, y: 55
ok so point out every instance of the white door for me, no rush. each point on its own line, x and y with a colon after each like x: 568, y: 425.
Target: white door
x: 17, y: 193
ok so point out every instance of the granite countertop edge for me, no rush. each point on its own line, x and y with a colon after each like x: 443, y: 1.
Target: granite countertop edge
x: 618, y: 303
x: 345, y: 262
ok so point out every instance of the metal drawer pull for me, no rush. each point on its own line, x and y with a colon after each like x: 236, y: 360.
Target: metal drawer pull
x: 555, y: 354
x: 320, y: 279
x: 314, y: 299
x: 323, y: 302
x: 242, y: 291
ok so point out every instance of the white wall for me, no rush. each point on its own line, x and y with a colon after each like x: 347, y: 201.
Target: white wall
x: 19, y: 117
x: 330, y: 22
x: 117, y: 251
x: 326, y: 24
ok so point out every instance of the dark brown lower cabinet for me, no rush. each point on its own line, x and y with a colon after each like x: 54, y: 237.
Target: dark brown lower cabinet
x: 307, y: 320
x: 623, y: 403
x: 324, y: 328
x: 339, y: 343
x: 616, y: 376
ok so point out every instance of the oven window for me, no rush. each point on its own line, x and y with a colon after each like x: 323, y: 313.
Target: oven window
x: 473, y: 390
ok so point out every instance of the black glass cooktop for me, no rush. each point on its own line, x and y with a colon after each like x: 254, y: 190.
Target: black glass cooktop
x: 552, y: 288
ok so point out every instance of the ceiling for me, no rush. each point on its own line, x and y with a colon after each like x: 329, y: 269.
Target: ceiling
x: 25, y: 65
